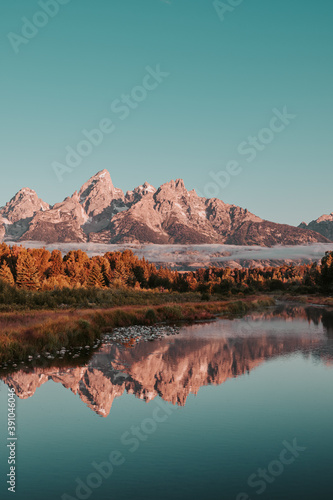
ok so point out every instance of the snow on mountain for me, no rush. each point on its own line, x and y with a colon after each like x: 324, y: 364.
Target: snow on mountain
x: 101, y: 213
x: 98, y: 193
x: 23, y: 205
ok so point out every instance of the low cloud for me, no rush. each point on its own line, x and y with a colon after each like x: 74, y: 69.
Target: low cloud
x: 195, y: 256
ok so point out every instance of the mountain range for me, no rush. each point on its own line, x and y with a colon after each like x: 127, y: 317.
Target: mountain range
x: 102, y: 213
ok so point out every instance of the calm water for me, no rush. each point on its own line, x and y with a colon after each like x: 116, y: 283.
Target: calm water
x: 238, y: 409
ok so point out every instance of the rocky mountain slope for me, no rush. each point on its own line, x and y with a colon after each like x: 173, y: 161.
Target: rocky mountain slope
x: 323, y: 225
x: 18, y: 213
x: 101, y: 213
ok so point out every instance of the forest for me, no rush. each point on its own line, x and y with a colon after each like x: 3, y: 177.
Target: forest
x: 49, y: 300
x: 41, y: 270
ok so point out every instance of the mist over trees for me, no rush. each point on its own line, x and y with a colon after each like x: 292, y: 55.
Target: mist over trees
x: 39, y: 269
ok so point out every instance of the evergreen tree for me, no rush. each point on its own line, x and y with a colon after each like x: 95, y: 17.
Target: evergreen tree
x: 76, y: 266
x: 327, y: 272
x: 95, y: 277
x: 6, y: 274
x: 4, y: 251
x: 42, y: 261
x: 27, y: 275
x: 56, y: 263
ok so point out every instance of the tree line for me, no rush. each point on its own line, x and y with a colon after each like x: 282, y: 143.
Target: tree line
x: 39, y: 269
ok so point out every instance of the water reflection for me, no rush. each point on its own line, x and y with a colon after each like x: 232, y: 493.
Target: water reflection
x: 200, y: 355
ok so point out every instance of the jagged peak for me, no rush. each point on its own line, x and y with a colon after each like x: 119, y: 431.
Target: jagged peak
x: 146, y: 185
x: 75, y: 196
x: 103, y: 174
x: 174, y: 185
x: 103, y: 177
x: 145, y: 188
x: 137, y: 193
x: 26, y: 190
x: 325, y: 218
x: 180, y: 183
x: 23, y: 193
x: 98, y: 193
x: 24, y: 204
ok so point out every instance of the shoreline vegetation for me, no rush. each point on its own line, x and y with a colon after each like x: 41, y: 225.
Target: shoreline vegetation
x: 49, y: 301
x: 23, y: 334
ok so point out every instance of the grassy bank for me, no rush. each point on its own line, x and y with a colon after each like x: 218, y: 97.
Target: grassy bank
x: 26, y: 333
x: 16, y: 299
x: 316, y: 299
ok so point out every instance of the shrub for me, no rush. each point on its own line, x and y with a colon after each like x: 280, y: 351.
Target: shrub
x: 151, y: 316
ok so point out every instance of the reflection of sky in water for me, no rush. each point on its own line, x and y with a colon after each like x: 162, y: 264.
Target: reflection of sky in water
x: 254, y: 390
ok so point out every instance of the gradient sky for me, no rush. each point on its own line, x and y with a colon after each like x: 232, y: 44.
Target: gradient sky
x: 225, y: 79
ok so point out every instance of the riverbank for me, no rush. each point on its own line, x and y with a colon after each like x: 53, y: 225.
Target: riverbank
x: 317, y: 300
x: 23, y: 334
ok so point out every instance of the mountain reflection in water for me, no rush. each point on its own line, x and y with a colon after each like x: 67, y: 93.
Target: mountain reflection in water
x: 177, y: 366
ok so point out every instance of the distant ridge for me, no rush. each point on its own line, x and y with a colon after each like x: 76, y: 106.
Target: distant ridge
x: 323, y: 225
x: 102, y: 213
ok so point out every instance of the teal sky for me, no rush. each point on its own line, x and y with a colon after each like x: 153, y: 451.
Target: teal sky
x: 226, y: 77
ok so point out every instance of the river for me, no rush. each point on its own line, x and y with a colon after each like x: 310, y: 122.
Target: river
x: 231, y: 409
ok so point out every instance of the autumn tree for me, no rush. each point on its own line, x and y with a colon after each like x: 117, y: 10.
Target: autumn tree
x: 76, y: 266
x: 95, y: 277
x: 27, y: 275
x: 56, y: 282
x: 4, y: 252
x: 327, y: 272
x: 42, y: 260
x: 6, y: 274
x: 56, y: 264
x: 105, y: 268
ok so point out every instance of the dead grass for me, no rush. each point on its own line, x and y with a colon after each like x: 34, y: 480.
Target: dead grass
x: 24, y: 334
x: 319, y: 300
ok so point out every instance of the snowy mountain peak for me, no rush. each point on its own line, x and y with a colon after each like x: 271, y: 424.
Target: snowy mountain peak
x: 98, y: 193
x: 23, y: 205
x: 136, y: 194
x: 101, y: 213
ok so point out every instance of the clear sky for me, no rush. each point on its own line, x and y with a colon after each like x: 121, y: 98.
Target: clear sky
x: 227, y: 70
